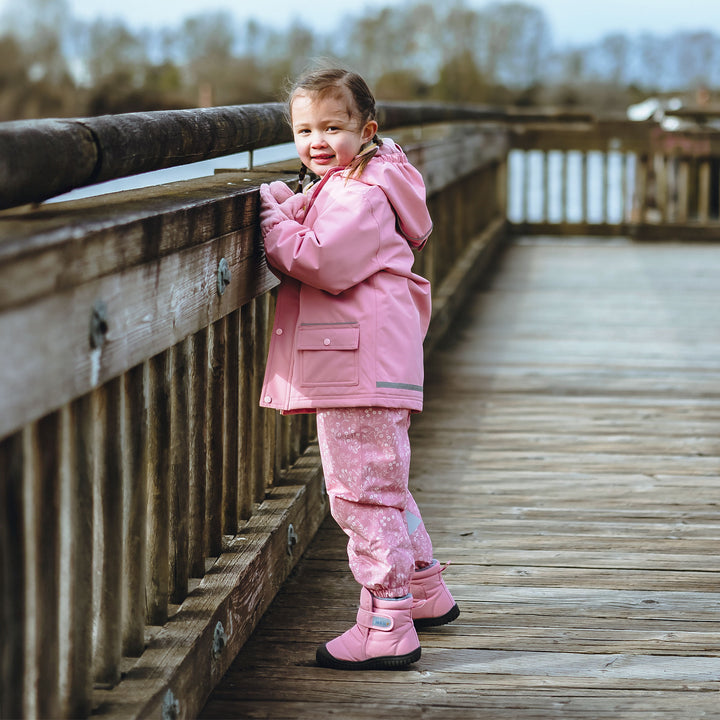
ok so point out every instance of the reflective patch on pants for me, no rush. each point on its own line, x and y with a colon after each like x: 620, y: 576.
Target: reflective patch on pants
x: 413, y: 522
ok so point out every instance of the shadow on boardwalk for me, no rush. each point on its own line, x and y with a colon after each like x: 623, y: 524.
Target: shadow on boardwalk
x: 567, y: 463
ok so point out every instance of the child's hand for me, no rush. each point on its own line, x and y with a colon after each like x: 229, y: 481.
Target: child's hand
x: 292, y: 204
x: 270, y: 212
x: 294, y: 207
x: 273, y: 212
x: 280, y: 191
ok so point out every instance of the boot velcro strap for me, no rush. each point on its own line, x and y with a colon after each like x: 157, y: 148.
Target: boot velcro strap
x: 374, y: 621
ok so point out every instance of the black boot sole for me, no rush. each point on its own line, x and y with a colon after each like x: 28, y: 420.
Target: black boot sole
x: 388, y: 662
x: 449, y: 616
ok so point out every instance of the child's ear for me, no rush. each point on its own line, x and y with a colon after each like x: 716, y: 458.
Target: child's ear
x: 369, y: 131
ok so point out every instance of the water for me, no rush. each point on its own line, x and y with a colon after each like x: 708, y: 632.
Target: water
x: 204, y: 168
x: 531, y: 162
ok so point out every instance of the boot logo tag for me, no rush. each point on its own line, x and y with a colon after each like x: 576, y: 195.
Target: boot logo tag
x: 381, y: 622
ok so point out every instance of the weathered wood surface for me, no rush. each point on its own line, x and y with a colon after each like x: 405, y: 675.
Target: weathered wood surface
x: 150, y: 258
x: 40, y: 159
x: 137, y: 402
x: 43, y: 158
x: 567, y: 464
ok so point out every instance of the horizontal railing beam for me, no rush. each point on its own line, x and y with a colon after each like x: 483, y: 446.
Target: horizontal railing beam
x: 40, y: 159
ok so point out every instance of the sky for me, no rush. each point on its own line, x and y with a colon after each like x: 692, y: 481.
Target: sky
x: 572, y: 22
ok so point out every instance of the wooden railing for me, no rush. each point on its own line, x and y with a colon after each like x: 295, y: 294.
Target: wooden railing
x: 614, y: 177
x: 149, y: 509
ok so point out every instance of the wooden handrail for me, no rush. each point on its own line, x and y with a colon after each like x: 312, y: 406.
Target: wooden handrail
x: 40, y: 159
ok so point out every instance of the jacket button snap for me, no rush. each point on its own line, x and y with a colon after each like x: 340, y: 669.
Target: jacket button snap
x: 326, y: 341
x: 278, y: 331
x: 267, y: 398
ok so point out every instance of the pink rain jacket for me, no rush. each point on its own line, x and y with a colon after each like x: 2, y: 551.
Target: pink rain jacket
x: 351, y: 315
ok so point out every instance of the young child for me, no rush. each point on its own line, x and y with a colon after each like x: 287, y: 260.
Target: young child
x: 347, y: 344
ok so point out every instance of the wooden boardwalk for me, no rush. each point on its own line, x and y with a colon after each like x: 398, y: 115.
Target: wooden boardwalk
x: 567, y: 463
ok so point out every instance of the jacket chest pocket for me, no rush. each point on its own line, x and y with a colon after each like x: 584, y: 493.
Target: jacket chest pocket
x: 329, y: 354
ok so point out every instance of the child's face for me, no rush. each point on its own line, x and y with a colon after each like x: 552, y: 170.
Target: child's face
x: 325, y: 135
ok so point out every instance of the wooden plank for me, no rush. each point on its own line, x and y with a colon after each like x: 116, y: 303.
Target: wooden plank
x: 545, y: 173
x: 108, y: 562
x: 246, y: 490
x: 455, y: 288
x: 179, y: 469
x: 448, y: 159
x: 76, y: 680
x: 180, y: 655
x: 258, y: 415
x: 704, y: 191
x: 135, y: 510
x: 41, y: 485
x: 567, y: 463
x: 231, y: 476
x: 47, y: 157
x: 61, y: 246
x: 149, y: 309
x: 157, y: 576
x: 214, y: 415
x: 197, y: 443
x: 12, y: 576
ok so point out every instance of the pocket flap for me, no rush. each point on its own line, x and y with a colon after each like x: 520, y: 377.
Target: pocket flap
x: 328, y: 337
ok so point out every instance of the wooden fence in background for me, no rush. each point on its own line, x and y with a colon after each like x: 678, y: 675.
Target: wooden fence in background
x: 614, y: 177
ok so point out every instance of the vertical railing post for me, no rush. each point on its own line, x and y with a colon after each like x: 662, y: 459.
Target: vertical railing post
x: 179, y: 495
x: 270, y: 439
x: 247, y: 409
x: 197, y: 445
x: 258, y: 415
x: 13, y: 587
x: 42, y: 482
x: 135, y: 503
x: 584, y: 188
x: 546, y: 186
x: 501, y: 194
x: 158, y: 447
x: 525, y: 186
x: 564, y: 186
x: 78, y: 558
x: 231, y: 423
x: 641, y: 188
x: 215, y: 415
x: 605, y: 186
x: 109, y: 492
x: 624, y: 213
x: 704, y: 191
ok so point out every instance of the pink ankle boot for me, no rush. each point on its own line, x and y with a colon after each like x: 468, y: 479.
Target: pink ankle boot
x: 432, y: 602
x: 383, y: 639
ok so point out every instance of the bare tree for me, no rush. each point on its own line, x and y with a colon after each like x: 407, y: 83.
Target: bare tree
x: 616, y: 51
x: 696, y: 56
x: 516, y: 43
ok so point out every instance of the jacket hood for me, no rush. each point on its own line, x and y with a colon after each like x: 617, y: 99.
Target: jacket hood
x: 403, y: 185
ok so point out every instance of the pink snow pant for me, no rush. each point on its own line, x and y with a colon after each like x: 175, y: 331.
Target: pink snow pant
x: 366, y: 461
